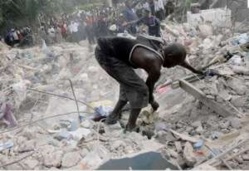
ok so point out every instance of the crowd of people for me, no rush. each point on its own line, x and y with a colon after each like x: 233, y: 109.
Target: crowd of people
x: 21, y: 37
x: 128, y: 16
x: 104, y: 21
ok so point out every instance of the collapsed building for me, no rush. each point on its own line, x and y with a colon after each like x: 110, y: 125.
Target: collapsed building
x: 49, y: 96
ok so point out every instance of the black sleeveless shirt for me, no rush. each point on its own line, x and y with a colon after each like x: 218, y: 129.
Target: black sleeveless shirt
x: 122, y: 48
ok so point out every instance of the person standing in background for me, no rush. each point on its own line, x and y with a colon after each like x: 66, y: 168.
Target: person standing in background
x: 159, y: 10
x: 130, y: 16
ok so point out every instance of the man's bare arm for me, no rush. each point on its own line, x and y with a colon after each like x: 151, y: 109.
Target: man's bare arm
x: 189, y: 67
x: 153, y: 77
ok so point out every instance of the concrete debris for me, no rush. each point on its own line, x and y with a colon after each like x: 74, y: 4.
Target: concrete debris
x: 96, y: 157
x: 173, y: 153
x: 71, y: 159
x: 240, y: 70
x: 215, y: 135
x: 188, y: 154
x: 224, y: 124
x: 183, y: 123
x: 163, y: 136
x: 245, y: 157
x: 79, y: 133
x: 160, y: 126
x: 15, y: 167
x: 235, y: 123
x: 63, y: 135
x: 86, y: 124
x: 238, y: 85
x: 205, y: 30
x: 178, y: 146
x: 27, y: 146
x: 52, y: 159
x: 204, y: 167
x: 199, y: 130
x: 239, y: 159
x: 196, y: 124
x: 236, y: 60
x: 118, y: 144
x: 31, y: 164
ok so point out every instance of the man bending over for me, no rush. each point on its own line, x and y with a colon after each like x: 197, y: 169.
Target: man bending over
x: 120, y: 56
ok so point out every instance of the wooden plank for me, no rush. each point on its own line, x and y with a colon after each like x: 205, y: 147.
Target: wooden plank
x: 217, y: 158
x: 191, y: 78
x: 197, y: 93
x: 185, y: 137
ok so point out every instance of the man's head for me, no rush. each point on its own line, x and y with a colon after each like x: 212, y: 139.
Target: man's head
x: 128, y: 3
x: 147, y: 13
x: 174, y: 54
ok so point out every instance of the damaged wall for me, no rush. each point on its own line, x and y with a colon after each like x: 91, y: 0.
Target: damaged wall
x: 238, y: 7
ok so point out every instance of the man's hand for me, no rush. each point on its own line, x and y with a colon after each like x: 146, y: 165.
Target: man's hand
x: 186, y: 65
x: 154, y: 105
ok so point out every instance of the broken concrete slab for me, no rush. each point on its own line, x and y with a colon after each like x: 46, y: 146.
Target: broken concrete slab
x: 173, y: 153
x: 196, y: 124
x: 224, y: 124
x: 163, y: 136
x: 240, y: 70
x: 118, y: 144
x: 199, y: 129
x: 235, y: 122
x: 205, y: 30
x: 206, y: 101
x: 245, y: 157
x: 178, y: 146
x: 31, y: 163
x: 91, y: 160
x: 71, y: 159
x: 238, y: 85
x: 225, y: 95
x: 239, y: 101
x: 26, y: 146
x: 15, y: 166
x: 53, y: 159
x: 188, y: 155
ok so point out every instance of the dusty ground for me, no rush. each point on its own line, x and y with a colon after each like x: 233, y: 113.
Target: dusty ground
x: 47, y: 135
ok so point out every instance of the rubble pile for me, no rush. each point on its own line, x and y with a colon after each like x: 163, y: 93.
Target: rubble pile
x: 203, y: 43
x: 197, y: 126
x: 84, y: 148
x: 43, y: 126
x: 40, y: 124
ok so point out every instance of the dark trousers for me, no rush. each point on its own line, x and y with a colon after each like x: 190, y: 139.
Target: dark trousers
x: 132, y: 88
x: 160, y: 14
